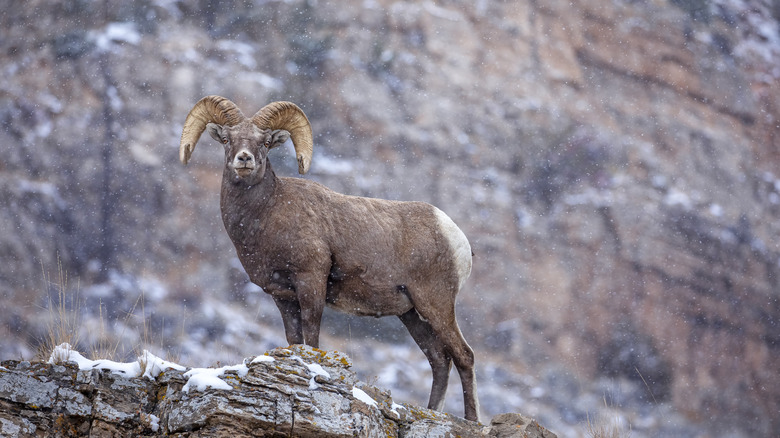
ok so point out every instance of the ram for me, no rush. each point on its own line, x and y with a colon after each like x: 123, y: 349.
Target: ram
x: 308, y: 246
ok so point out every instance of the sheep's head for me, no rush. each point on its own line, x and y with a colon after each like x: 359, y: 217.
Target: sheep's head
x: 246, y: 147
x: 248, y: 140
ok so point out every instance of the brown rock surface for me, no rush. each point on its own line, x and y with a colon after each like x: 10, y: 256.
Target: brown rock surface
x: 615, y: 164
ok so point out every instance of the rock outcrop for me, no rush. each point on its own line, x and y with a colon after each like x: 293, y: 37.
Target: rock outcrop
x: 289, y: 392
x: 615, y: 164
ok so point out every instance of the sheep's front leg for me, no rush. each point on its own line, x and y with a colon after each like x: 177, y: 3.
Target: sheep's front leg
x: 291, y: 317
x: 310, y: 289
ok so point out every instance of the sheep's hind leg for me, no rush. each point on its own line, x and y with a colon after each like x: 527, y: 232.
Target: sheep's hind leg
x: 445, y: 326
x: 440, y: 361
x: 464, y: 362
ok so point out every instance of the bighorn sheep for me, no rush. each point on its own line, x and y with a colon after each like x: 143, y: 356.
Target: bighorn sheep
x: 308, y: 246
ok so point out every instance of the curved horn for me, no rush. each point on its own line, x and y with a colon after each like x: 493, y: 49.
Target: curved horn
x: 287, y: 116
x: 210, y: 109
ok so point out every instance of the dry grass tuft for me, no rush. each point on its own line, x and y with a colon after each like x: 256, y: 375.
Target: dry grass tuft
x: 64, y: 315
x: 65, y: 326
x: 606, y: 427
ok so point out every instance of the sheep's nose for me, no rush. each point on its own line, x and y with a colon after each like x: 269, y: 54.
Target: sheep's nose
x: 244, y: 157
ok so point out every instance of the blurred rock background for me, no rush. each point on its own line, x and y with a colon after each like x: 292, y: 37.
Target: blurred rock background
x: 615, y: 164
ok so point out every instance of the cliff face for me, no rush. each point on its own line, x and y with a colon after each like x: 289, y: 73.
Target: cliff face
x: 615, y: 165
x: 296, y: 391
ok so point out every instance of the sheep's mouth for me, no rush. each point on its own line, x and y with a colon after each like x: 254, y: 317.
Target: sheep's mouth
x: 243, y: 171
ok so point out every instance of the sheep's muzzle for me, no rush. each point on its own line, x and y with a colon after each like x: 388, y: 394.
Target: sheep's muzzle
x: 243, y: 163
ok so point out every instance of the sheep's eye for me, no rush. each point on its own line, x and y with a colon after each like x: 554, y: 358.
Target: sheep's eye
x: 267, y: 143
x: 224, y: 141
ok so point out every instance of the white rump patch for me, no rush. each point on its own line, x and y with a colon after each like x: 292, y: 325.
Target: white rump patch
x: 459, y: 245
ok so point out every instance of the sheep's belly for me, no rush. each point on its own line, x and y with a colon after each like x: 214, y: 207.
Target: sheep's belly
x: 356, y: 298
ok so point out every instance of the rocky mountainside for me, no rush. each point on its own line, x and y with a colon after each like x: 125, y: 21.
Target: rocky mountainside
x: 615, y: 164
x: 301, y: 392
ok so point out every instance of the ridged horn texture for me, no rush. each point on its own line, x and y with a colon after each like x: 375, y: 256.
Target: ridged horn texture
x: 287, y: 116
x: 210, y: 109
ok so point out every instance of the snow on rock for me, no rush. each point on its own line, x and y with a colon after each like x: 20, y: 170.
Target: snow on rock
x: 362, y: 396
x: 315, y: 369
x: 676, y: 197
x: 263, y: 80
x: 153, y: 421
x: 47, y: 190
x: 148, y: 365
x: 116, y: 33
x: 154, y: 366
x: 327, y: 165
x: 65, y: 353
x: 262, y: 358
x: 244, y: 53
x: 202, y: 378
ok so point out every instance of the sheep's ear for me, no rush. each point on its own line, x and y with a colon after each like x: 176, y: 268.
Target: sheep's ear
x: 215, y: 131
x: 278, y: 137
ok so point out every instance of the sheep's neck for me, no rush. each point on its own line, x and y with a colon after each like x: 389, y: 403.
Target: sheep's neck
x: 240, y: 202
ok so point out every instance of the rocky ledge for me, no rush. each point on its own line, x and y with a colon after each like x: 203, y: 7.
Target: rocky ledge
x: 295, y: 391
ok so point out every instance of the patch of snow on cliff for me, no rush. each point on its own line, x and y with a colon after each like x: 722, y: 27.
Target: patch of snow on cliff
x: 45, y: 189
x: 263, y: 80
x: 116, y: 33
x: 244, y: 53
x: 315, y: 369
x: 152, y: 365
x: 262, y: 358
x: 395, y: 407
x: 590, y: 196
x: 440, y: 12
x: 677, y: 198
x: 716, y: 210
x: 205, y: 378
x: 362, y: 396
x: 333, y: 166
x: 202, y: 378
x: 65, y: 353
x: 761, y: 33
x: 154, y: 422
